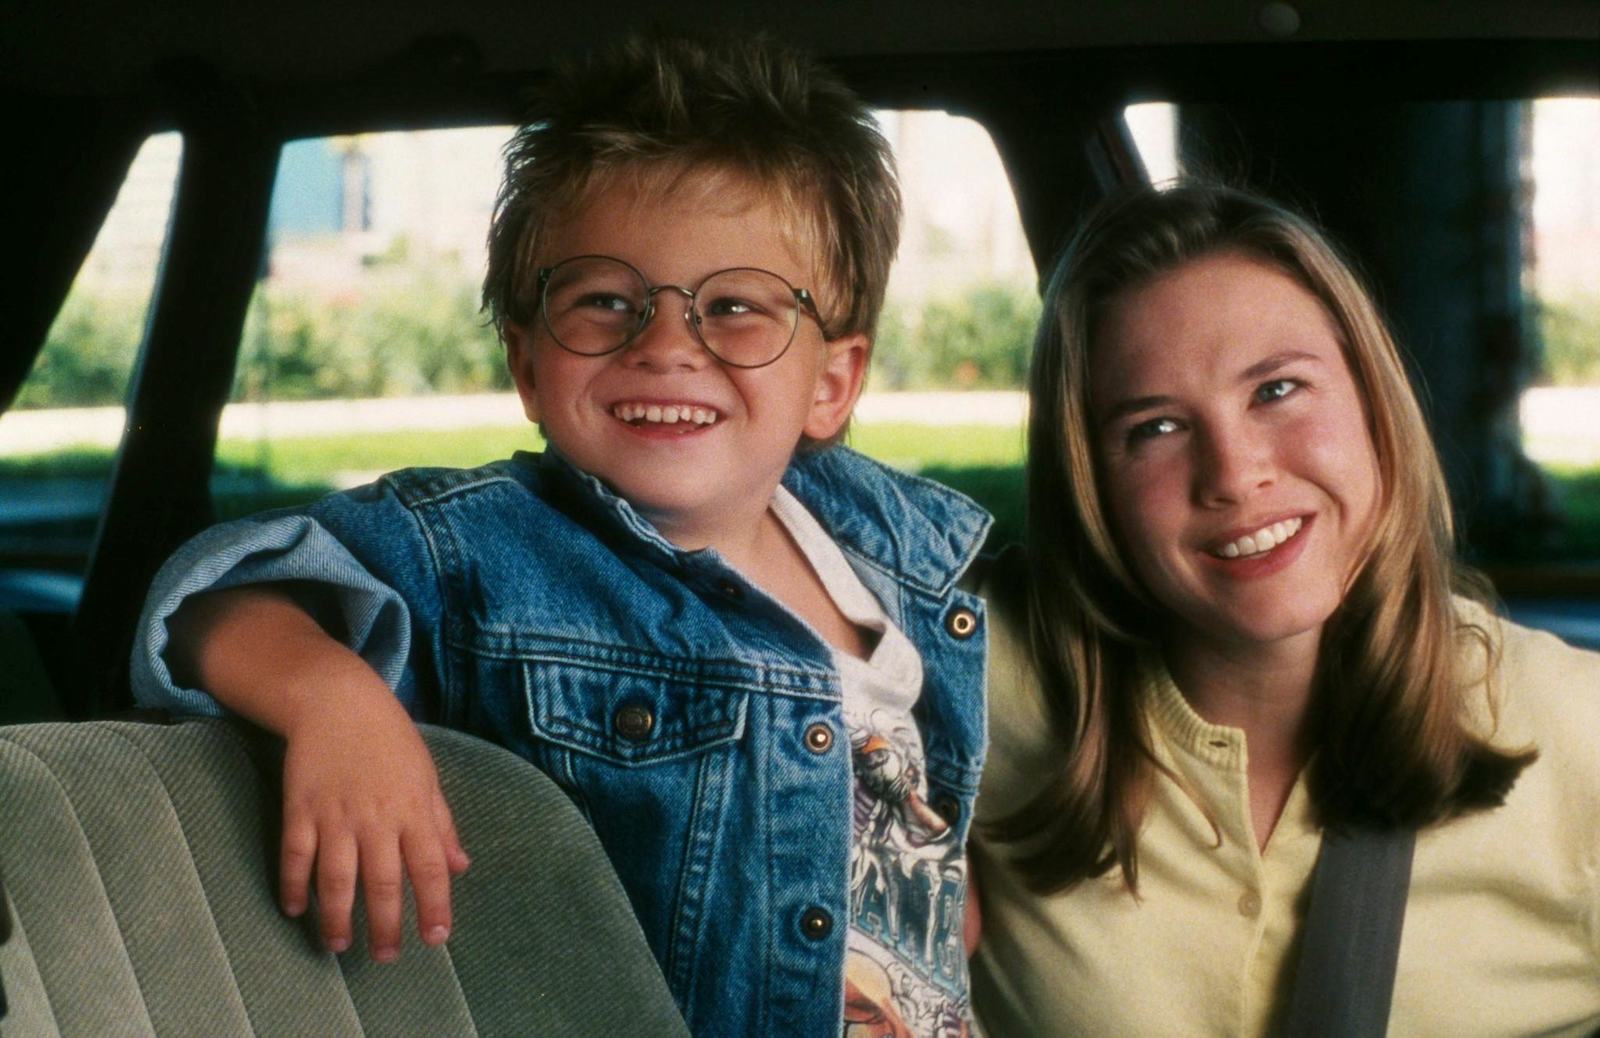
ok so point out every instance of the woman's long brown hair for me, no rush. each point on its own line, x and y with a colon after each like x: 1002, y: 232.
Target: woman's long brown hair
x: 1392, y: 742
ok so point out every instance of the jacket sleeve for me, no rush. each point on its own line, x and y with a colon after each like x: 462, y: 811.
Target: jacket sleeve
x: 360, y: 564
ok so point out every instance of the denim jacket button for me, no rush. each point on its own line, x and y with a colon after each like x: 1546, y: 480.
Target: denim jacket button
x: 948, y: 808
x: 819, y: 738
x: 730, y: 589
x: 816, y: 923
x: 634, y: 722
x: 961, y: 622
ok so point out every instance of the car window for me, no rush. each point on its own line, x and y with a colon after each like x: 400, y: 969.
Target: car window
x: 1154, y: 127
x: 363, y: 350
x: 1557, y: 412
x: 58, y: 439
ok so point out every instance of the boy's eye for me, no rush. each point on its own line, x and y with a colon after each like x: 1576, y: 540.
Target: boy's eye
x: 1150, y: 429
x: 728, y: 306
x: 1277, y: 389
x: 605, y: 301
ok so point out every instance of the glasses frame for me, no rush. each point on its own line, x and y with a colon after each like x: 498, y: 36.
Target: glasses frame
x: 805, y: 304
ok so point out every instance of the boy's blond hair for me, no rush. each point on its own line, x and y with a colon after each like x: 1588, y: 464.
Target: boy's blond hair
x: 750, y: 113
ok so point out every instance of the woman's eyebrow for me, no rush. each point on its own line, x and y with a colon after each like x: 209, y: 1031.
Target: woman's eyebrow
x: 1134, y: 405
x: 1267, y: 365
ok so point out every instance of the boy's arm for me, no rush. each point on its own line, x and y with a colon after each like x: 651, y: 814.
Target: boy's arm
x: 361, y: 796
x: 373, y: 601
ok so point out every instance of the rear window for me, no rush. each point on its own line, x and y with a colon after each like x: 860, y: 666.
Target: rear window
x: 58, y: 439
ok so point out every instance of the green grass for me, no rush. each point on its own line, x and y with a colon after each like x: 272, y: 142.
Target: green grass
x: 1578, y: 492
x: 912, y: 446
x: 71, y: 463
x: 316, y: 459
x: 984, y: 462
x: 312, y: 458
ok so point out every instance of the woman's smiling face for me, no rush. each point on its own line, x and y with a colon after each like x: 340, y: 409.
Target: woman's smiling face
x: 1233, y: 451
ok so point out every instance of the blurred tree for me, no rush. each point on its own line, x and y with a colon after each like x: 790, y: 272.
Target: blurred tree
x: 1569, y: 335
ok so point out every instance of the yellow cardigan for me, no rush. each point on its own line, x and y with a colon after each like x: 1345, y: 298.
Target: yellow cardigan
x: 1502, y: 929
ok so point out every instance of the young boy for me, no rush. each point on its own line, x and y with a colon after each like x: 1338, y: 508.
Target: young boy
x: 739, y: 649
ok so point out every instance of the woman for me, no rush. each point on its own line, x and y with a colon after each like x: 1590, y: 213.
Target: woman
x: 1240, y: 623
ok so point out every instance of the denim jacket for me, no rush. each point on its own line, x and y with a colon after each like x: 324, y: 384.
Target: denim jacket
x: 671, y: 698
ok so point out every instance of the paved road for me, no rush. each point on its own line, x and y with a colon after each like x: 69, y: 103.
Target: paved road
x: 29, y: 432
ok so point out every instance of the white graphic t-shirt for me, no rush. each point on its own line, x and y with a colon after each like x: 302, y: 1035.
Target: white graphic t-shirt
x: 905, y: 967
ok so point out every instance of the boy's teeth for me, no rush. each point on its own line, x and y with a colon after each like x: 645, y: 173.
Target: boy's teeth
x: 1263, y: 540
x: 667, y: 414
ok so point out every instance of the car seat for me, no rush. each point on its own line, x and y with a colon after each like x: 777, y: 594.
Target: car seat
x: 138, y: 869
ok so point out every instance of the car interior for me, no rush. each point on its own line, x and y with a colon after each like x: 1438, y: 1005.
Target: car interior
x: 135, y: 854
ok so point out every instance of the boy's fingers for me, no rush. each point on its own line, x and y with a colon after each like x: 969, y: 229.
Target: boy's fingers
x: 336, y: 887
x: 381, y: 886
x: 297, y: 851
x: 455, y: 856
x: 430, y: 884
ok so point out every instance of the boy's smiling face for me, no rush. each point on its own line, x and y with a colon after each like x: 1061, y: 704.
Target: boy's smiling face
x: 709, y: 477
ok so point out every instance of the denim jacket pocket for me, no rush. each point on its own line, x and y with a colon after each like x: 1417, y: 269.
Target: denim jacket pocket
x: 631, y: 715
x: 651, y: 749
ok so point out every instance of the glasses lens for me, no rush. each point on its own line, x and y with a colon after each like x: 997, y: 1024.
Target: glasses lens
x: 593, y: 304
x: 746, y: 317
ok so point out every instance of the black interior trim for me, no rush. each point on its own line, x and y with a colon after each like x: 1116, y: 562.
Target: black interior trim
x: 160, y: 487
x: 78, y: 155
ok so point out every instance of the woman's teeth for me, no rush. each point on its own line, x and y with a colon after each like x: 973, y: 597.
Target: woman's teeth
x: 1264, y: 539
x: 667, y: 414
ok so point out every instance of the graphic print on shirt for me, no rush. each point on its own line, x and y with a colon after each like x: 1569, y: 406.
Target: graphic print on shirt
x: 905, y: 971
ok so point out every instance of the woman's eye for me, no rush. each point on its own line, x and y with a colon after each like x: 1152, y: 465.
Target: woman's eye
x: 1277, y: 389
x: 1150, y: 429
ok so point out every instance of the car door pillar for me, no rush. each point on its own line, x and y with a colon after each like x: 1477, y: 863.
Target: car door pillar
x: 160, y: 487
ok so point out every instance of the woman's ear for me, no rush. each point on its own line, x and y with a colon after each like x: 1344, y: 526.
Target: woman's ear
x: 844, y: 368
x: 519, y: 359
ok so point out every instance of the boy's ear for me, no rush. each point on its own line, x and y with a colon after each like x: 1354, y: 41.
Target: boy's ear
x: 838, y: 385
x: 519, y: 358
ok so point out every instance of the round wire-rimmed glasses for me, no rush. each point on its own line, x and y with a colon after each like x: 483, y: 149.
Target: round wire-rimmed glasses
x: 744, y: 316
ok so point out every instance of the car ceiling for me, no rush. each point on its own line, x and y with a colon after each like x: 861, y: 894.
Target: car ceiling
x: 101, y: 47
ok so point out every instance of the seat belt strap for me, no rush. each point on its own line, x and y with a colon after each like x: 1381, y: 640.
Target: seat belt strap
x: 1344, y: 980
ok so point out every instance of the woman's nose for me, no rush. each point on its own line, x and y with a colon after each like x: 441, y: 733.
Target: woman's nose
x: 1234, y: 463
x: 667, y: 341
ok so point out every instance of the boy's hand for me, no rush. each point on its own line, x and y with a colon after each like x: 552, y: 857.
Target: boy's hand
x: 361, y: 799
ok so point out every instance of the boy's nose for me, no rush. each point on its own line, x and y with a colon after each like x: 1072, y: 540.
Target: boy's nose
x: 667, y: 341
x: 1231, y: 465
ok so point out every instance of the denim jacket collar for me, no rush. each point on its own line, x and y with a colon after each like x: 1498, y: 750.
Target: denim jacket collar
x: 600, y: 503
x: 915, y: 529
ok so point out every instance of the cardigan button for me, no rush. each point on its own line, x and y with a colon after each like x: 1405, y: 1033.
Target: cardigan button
x: 816, y: 923
x: 634, y: 722
x: 961, y: 622
x: 819, y: 738
x: 1250, y: 904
